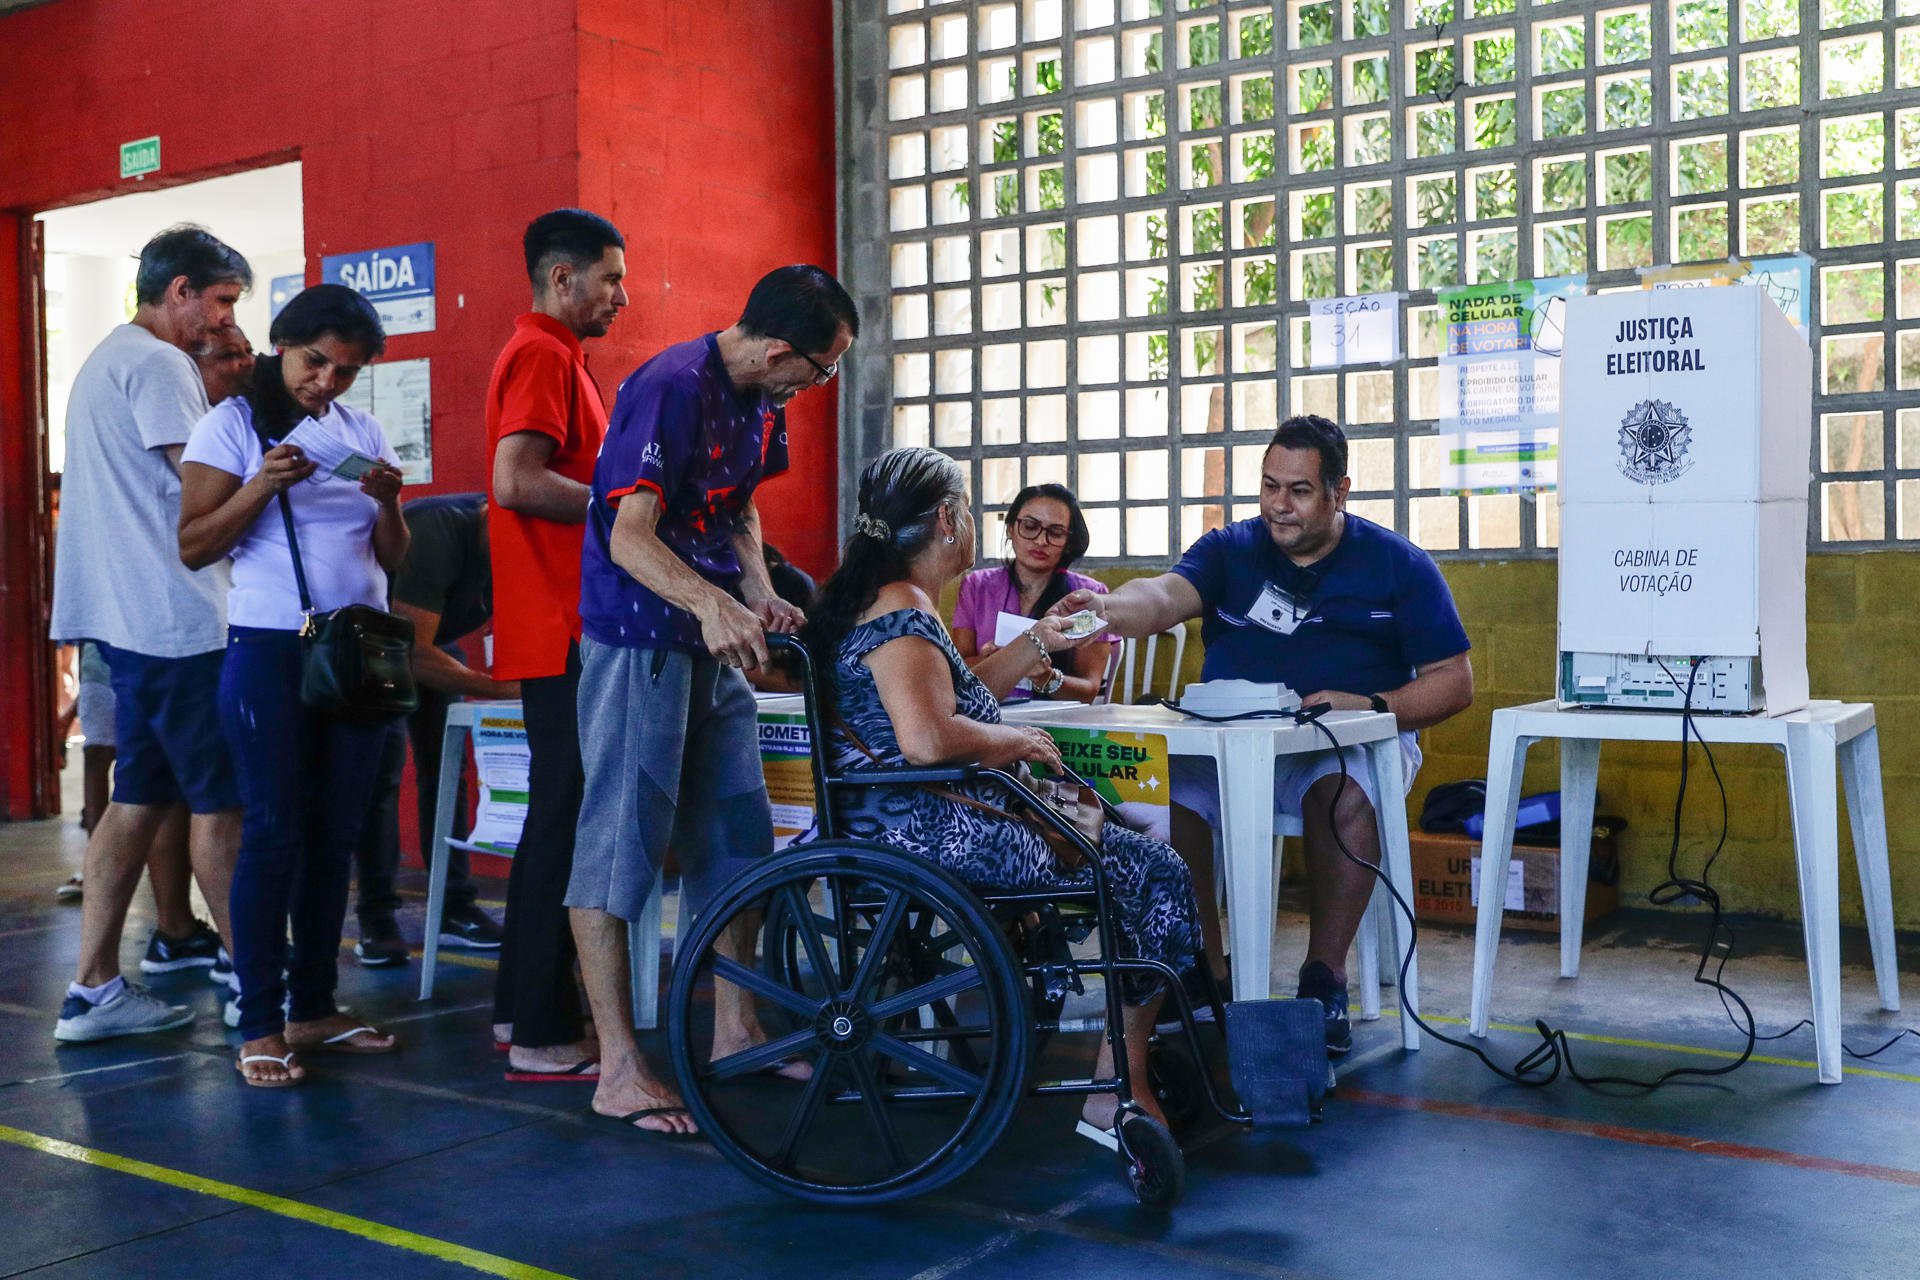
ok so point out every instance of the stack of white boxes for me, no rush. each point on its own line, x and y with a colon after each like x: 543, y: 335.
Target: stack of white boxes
x: 1685, y: 431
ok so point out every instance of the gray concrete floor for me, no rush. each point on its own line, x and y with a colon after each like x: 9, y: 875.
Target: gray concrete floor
x: 1426, y: 1166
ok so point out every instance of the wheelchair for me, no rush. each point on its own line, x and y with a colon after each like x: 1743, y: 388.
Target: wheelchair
x: 920, y: 1004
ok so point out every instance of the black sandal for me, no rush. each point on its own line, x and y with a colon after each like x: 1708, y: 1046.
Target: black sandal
x: 627, y: 1122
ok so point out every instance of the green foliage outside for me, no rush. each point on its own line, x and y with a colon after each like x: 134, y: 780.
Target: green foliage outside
x: 1312, y: 88
x: 1256, y: 98
x: 1203, y: 107
x: 1625, y: 37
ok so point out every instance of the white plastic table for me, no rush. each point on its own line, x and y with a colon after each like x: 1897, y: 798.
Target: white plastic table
x: 643, y: 936
x: 1813, y: 739
x: 1244, y: 752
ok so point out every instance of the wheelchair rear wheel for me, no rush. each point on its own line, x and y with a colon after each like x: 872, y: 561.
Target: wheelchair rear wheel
x: 890, y: 980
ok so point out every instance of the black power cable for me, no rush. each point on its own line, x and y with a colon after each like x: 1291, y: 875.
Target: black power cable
x: 1543, y: 1064
x: 1708, y: 866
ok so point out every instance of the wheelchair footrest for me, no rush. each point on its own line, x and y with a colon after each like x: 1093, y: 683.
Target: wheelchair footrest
x: 1277, y: 1052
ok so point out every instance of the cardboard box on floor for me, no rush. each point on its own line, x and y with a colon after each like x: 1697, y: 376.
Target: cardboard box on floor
x: 1446, y: 869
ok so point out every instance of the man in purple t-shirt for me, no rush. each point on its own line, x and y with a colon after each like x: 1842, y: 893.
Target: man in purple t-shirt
x: 674, y: 604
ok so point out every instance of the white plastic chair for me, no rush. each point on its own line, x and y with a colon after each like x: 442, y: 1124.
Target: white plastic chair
x: 1129, y: 691
x: 1376, y: 929
x: 1105, y: 695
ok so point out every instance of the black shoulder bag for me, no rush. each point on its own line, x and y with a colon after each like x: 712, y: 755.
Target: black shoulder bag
x: 357, y: 664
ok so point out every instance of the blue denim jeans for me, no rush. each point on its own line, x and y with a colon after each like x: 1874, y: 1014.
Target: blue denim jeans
x: 306, y: 783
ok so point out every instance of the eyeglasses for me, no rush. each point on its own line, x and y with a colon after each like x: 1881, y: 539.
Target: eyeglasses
x: 826, y: 370
x: 1034, y: 531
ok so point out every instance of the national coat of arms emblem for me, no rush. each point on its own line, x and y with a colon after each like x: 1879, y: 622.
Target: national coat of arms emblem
x: 1653, y: 443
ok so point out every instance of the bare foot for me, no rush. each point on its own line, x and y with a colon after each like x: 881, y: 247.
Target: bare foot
x: 270, y: 1074
x: 740, y: 1037
x: 318, y: 1035
x: 556, y: 1057
x: 641, y: 1091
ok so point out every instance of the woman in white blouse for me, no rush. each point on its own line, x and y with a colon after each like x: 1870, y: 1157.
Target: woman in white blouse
x: 305, y: 780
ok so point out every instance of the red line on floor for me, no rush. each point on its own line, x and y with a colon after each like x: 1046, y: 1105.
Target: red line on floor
x: 1639, y: 1137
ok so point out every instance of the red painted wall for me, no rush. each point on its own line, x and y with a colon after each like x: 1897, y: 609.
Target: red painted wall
x: 704, y: 130
x: 706, y: 134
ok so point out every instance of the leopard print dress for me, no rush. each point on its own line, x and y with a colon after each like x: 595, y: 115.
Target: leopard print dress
x: 1147, y: 883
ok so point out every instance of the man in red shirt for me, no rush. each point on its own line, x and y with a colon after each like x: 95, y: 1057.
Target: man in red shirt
x: 545, y: 420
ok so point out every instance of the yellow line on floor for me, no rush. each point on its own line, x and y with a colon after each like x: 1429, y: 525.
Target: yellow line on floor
x: 379, y: 1233
x: 1851, y: 1070
x: 446, y: 957
x: 471, y: 962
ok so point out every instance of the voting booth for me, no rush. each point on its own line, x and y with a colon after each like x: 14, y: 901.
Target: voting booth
x: 1685, y: 433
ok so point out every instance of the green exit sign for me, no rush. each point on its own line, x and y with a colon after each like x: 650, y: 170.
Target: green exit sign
x: 140, y: 157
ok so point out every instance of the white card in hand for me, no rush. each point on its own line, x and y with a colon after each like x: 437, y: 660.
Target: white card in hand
x: 354, y: 466
x: 1009, y: 627
x: 332, y: 457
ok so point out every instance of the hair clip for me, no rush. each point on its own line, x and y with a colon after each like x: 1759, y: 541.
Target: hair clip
x: 871, y: 526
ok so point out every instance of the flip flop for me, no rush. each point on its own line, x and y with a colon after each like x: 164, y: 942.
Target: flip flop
x: 286, y: 1063
x: 1094, y: 1133
x: 585, y: 1071
x: 342, y: 1044
x: 627, y: 1122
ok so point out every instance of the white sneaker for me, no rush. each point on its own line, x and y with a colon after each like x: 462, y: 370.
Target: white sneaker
x: 135, y: 1011
x: 71, y: 890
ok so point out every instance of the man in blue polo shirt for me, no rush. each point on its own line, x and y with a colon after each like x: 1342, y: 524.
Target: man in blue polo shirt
x: 1346, y: 613
x: 674, y: 605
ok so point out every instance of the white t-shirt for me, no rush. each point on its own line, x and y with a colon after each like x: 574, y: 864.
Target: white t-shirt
x: 117, y: 575
x: 331, y: 517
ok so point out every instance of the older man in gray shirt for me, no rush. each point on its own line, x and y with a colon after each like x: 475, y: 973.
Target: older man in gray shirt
x: 119, y: 582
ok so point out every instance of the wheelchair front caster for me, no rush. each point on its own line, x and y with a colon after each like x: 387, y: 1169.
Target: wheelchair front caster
x: 1152, y: 1163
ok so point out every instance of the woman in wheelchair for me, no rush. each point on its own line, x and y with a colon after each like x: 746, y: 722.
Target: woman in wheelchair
x: 898, y: 693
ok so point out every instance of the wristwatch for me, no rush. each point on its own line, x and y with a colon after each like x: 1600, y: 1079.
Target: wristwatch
x: 1052, y: 686
x: 1379, y: 703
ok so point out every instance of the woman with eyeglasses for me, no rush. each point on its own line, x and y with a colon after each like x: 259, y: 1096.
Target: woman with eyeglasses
x: 1047, y: 534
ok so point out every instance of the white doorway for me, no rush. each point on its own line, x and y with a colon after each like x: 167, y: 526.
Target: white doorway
x: 93, y: 250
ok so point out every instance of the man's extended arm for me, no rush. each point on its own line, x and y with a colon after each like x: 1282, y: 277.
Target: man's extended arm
x: 1143, y: 607
x: 1437, y: 691
x: 435, y: 668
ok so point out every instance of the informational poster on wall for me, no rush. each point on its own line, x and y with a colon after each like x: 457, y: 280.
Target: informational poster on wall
x: 1357, y: 330
x: 397, y: 280
x: 501, y: 763
x: 1500, y: 383
x: 1129, y: 770
x: 1788, y: 280
x: 400, y: 395
x: 785, y: 759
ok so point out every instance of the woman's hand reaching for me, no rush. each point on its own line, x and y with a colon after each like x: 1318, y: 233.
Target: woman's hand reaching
x: 1039, y: 748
